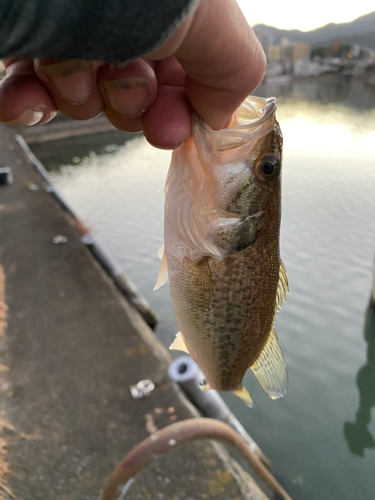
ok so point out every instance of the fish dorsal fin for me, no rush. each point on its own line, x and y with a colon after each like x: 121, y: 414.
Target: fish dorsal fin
x: 282, y: 287
x: 270, y: 368
x: 179, y: 343
x: 163, y: 271
x: 243, y: 393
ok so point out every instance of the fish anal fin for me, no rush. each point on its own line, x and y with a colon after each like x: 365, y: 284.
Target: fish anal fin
x: 179, y: 343
x: 161, y: 252
x: 243, y: 393
x: 270, y: 368
x: 163, y: 271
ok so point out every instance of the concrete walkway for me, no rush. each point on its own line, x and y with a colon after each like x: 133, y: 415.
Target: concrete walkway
x: 70, y: 349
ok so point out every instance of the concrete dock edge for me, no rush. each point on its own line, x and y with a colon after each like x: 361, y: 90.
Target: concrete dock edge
x: 71, y: 347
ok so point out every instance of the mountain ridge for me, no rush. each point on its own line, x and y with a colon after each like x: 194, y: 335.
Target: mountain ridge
x: 361, y: 30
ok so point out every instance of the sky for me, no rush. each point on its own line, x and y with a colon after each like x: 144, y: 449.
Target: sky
x: 298, y: 14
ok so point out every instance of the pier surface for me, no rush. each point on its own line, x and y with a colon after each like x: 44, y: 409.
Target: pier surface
x: 70, y: 348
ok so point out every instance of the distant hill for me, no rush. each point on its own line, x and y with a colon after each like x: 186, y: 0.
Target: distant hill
x: 366, y: 39
x: 361, y: 30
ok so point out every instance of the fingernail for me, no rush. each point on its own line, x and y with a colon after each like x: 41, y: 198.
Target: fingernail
x: 127, y: 96
x: 28, y: 118
x: 72, y: 79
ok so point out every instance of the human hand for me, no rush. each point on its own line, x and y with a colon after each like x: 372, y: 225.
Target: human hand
x: 212, y: 61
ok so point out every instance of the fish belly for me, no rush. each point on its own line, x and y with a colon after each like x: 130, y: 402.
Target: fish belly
x: 224, y: 309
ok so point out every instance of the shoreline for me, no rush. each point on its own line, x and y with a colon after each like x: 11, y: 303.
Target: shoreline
x: 72, y: 347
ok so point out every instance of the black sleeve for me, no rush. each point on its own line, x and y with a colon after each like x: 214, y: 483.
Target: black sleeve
x: 111, y: 30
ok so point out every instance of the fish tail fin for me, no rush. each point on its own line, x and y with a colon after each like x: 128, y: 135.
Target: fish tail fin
x: 179, y: 343
x: 163, y: 271
x: 243, y: 393
x: 270, y: 368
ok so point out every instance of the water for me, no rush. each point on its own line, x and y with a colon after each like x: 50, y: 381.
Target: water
x: 320, y: 437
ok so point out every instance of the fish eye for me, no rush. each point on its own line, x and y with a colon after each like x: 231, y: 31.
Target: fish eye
x: 268, y: 168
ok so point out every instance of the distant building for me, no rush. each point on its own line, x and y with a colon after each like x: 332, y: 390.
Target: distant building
x: 301, y: 51
x: 356, y: 50
x: 286, y: 50
x: 274, y: 53
x: 266, y: 41
x: 286, y: 55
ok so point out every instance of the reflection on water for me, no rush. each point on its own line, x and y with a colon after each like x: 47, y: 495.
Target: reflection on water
x: 358, y: 435
x: 326, y: 90
x: 327, y: 240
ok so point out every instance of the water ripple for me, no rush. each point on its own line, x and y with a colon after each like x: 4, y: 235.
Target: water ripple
x: 327, y: 242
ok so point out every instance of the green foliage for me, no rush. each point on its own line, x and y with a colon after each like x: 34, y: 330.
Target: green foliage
x: 322, y: 52
x: 341, y: 51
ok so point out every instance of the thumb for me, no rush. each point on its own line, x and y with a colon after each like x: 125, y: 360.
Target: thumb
x: 223, y: 60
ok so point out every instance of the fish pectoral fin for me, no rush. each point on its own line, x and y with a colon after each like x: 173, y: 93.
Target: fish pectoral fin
x: 270, y: 368
x: 243, y: 393
x: 179, y: 343
x: 232, y: 235
x: 163, y: 271
x: 282, y: 288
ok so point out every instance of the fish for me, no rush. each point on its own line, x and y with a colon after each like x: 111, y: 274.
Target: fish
x: 221, y: 252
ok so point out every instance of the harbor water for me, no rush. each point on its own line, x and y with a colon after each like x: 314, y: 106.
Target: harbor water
x: 321, y: 437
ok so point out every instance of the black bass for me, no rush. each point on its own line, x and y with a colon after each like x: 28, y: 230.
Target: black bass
x: 221, y: 248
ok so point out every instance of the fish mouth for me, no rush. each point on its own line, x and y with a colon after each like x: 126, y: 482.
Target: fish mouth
x: 255, y: 111
x: 253, y: 120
